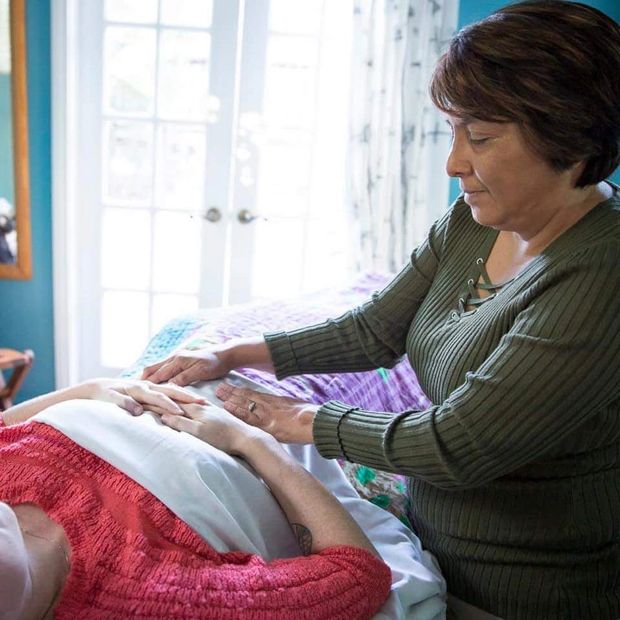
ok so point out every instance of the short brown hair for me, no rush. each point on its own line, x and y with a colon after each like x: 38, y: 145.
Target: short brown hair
x: 550, y: 65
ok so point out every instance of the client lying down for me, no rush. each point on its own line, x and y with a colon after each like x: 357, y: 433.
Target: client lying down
x: 83, y: 537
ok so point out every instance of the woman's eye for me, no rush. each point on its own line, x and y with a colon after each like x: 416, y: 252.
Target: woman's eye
x: 477, y: 140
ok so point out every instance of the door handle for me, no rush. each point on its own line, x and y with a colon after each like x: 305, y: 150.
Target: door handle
x: 245, y: 216
x: 213, y: 215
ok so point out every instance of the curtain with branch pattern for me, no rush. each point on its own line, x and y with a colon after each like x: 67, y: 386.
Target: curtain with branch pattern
x: 399, y: 142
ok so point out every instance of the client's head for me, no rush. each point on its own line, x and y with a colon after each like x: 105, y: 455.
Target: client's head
x: 15, y: 578
x: 33, y: 567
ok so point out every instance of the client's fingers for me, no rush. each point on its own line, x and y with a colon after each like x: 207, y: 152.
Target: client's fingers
x: 180, y: 423
x: 126, y: 402
x: 179, y: 394
x: 200, y: 412
x: 149, y: 397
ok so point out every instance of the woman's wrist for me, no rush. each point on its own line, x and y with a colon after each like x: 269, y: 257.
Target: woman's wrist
x: 245, y: 353
x: 228, y: 356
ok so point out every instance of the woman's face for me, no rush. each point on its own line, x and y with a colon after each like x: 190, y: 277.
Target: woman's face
x: 506, y: 184
x: 15, y: 579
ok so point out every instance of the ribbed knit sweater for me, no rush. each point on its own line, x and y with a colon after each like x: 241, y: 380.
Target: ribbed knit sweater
x: 515, y: 468
x: 133, y: 558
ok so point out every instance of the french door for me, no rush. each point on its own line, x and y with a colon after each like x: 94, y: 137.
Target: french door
x: 207, y: 161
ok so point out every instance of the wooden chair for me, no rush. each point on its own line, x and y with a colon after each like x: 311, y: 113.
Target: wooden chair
x: 20, y: 363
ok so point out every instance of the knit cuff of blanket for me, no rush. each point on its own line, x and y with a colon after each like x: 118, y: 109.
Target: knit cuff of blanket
x: 282, y: 354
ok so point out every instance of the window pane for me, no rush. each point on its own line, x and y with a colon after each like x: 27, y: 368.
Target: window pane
x: 196, y: 13
x: 283, y: 180
x: 184, y: 75
x: 127, y: 162
x: 129, y: 71
x: 124, y: 327
x: 176, y: 265
x: 168, y: 307
x: 327, y: 267
x: 272, y: 276
x: 138, y: 11
x: 125, y: 248
x: 303, y: 16
x: 290, y: 82
x: 181, y: 166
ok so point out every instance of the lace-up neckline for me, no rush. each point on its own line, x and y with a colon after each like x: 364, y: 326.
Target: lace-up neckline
x: 472, y: 299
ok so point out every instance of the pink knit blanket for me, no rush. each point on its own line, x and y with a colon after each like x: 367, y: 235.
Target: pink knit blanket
x: 133, y: 558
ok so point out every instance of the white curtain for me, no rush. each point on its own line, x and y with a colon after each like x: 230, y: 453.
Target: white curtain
x: 398, y: 141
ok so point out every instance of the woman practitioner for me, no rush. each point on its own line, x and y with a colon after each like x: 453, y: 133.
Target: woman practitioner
x: 80, y: 539
x: 509, y: 315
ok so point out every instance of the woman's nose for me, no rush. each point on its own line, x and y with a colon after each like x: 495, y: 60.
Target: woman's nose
x: 458, y: 164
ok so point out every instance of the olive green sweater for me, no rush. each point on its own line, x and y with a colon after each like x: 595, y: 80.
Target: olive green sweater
x: 515, y: 468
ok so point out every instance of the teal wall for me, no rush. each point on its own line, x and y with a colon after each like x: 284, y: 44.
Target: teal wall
x: 26, y: 306
x: 6, y: 139
x: 474, y: 10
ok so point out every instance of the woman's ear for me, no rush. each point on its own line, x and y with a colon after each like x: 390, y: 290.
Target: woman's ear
x: 575, y: 171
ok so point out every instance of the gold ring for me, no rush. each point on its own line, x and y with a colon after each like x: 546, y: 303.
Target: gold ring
x: 251, y: 406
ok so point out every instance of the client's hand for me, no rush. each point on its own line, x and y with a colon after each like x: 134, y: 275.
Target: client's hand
x: 187, y: 367
x: 135, y: 396
x: 289, y: 420
x: 214, y: 426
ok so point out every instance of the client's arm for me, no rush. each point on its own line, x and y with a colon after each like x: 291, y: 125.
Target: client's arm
x: 134, y: 396
x: 317, y: 518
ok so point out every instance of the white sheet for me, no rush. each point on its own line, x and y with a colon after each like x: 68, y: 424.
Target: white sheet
x: 230, y: 507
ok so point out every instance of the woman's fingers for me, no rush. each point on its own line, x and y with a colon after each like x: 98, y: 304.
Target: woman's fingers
x: 224, y: 390
x: 190, y: 375
x: 227, y: 392
x: 148, y: 371
x: 169, y: 369
x: 241, y: 402
x: 239, y: 411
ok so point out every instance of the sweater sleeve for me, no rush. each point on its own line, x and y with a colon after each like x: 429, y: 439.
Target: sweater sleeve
x: 370, y: 336
x: 337, y: 583
x: 552, y: 371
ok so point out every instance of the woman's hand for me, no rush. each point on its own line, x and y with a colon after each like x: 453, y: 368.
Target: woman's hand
x: 135, y: 396
x: 216, y: 427
x: 187, y: 367
x: 289, y: 420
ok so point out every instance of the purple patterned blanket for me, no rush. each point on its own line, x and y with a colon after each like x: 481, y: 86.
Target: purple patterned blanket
x: 393, y: 389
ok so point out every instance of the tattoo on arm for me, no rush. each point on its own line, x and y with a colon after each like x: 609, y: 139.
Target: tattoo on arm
x: 303, y: 536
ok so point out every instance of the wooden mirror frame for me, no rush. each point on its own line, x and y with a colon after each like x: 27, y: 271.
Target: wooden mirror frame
x: 22, y: 269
